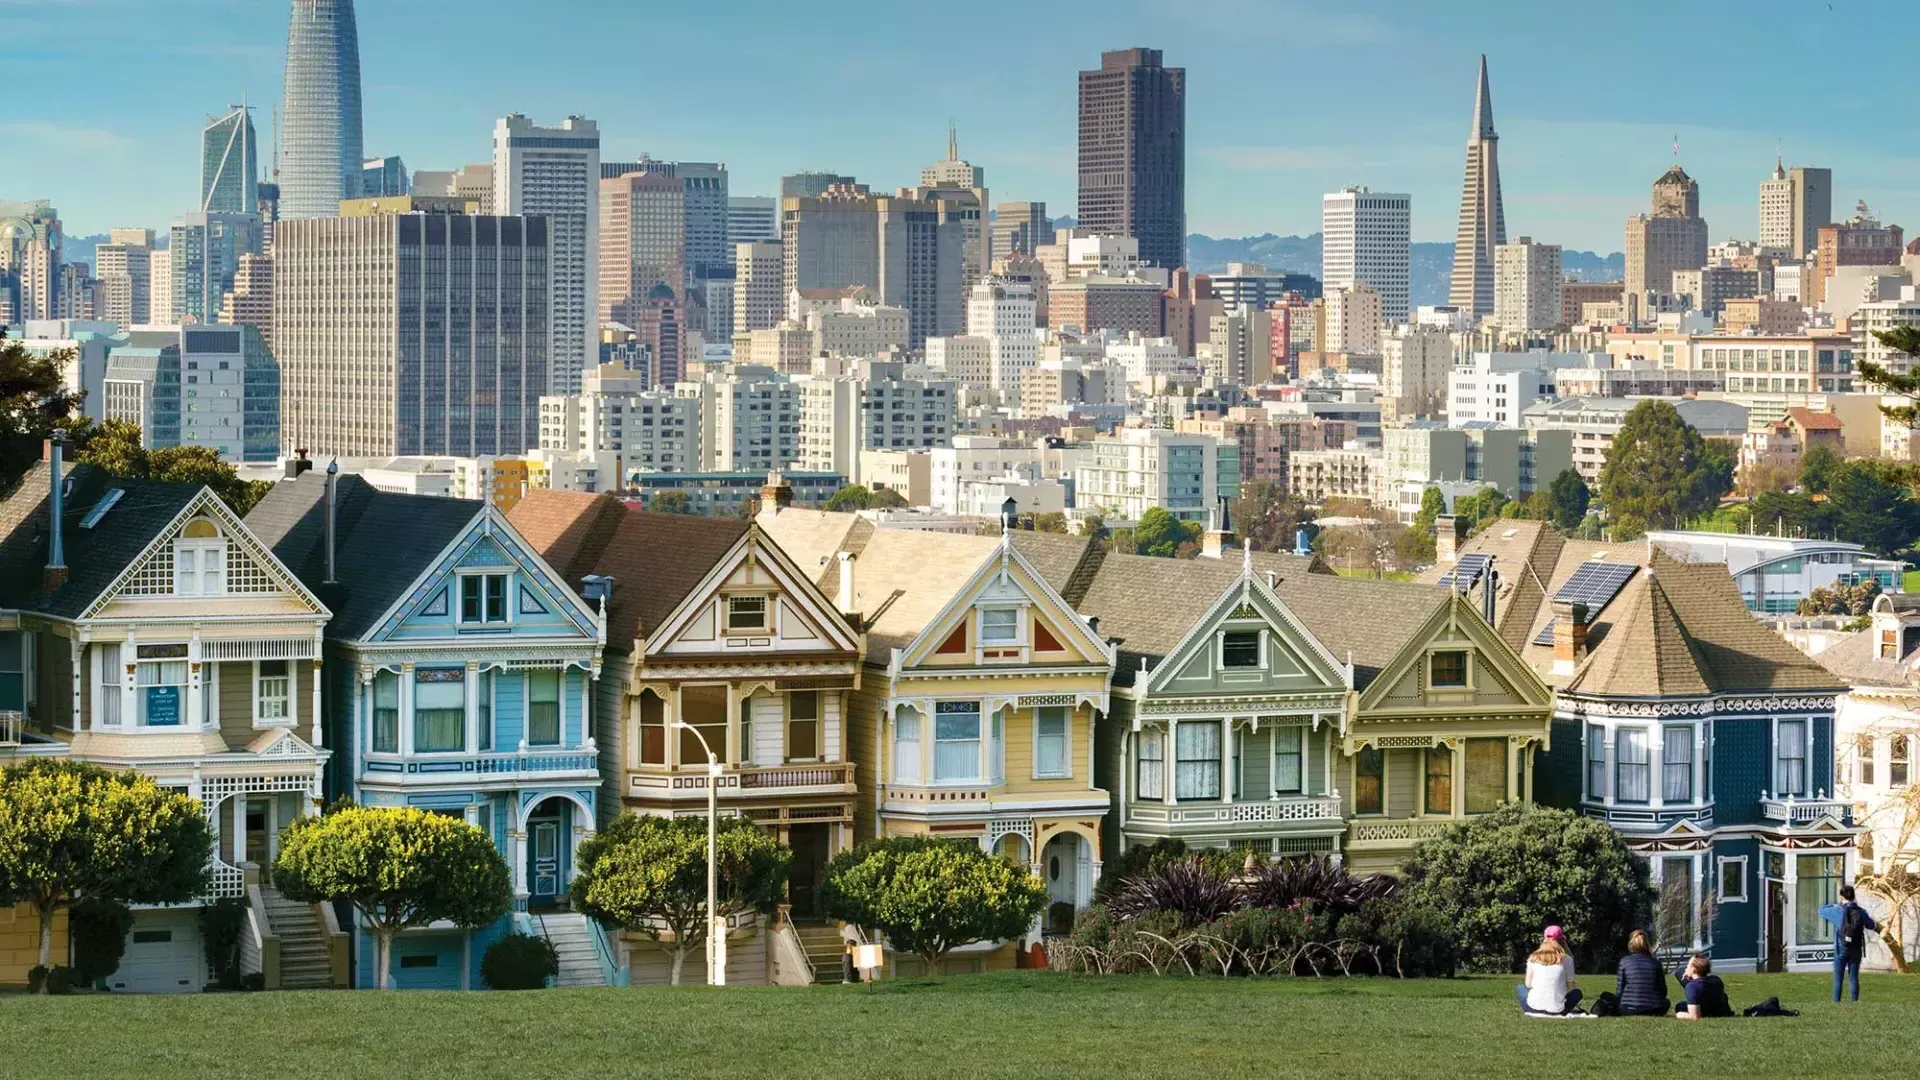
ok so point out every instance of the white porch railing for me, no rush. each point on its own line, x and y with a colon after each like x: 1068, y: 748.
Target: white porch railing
x: 12, y: 727
x: 1796, y: 811
x: 1405, y: 831
x: 1311, y: 808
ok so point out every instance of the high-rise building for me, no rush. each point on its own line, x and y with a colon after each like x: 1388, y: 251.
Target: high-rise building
x: 758, y: 297
x: 704, y: 187
x: 1353, y: 320
x: 1776, y: 210
x: 555, y: 172
x: 160, y: 286
x: 384, y: 177
x: 1019, y: 227
x: 1672, y: 237
x: 230, y: 164
x: 964, y: 183
x: 250, y: 301
x: 124, y: 268
x: 643, y: 238
x: 869, y: 405
x: 1483, y: 219
x: 211, y: 386
x: 1794, y: 204
x: 205, y: 250
x: 30, y: 241
x: 1526, y: 285
x: 320, y: 148
x: 411, y: 332
x: 908, y: 248
x: 751, y: 219
x: 1002, y: 313
x: 77, y: 292
x: 1365, y: 236
x: 1133, y: 153
x: 1863, y: 241
x: 812, y: 185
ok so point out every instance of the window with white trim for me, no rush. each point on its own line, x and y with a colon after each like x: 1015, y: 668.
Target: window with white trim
x: 1676, y: 764
x: 1899, y: 753
x: 906, y: 747
x: 956, y: 741
x: 1050, y: 753
x: 1596, y: 762
x: 272, y: 691
x: 386, y: 712
x: 483, y: 599
x: 1289, y: 759
x: 747, y: 613
x: 160, y: 691
x: 1790, y: 758
x: 1863, y: 755
x: 1196, y: 761
x: 997, y: 746
x: 108, y: 674
x: 200, y: 560
x: 1240, y: 649
x: 1632, y: 766
x: 803, y: 725
x: 439, y: 710
x: 1733, y: 879
x: 999, y: 626
x: 1150, y: 769
x: 543, y: 709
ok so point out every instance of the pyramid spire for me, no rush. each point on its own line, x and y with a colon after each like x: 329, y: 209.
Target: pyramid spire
x: 1483, y: 106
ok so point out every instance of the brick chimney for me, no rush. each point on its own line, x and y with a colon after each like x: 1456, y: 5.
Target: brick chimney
x: 1446, y: 540
x: 1569, y: 636
x: 776, y: 494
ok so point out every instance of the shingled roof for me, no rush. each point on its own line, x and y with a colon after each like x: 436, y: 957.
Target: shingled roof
x: 95, y: 557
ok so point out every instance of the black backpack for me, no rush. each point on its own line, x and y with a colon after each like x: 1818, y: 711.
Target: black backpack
x: 1607, y: 1004
x: 1770, y: 1007
x: 1853, y: 929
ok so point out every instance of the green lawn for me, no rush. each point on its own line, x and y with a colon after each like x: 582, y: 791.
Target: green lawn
x: 1016, y: 1024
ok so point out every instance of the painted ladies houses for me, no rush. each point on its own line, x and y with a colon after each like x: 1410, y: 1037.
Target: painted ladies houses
x: 1690, y: 727
x: 1879, y: 729
x: 144, y: 626
x: 715, y: 638
x: 976, y: 714
x: 462, y: 677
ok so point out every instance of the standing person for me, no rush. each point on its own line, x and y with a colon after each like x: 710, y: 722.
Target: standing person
x: 1549, y: 979
x: 1850, y: 925
x: 1706, y: 994
x: 1642, y: 984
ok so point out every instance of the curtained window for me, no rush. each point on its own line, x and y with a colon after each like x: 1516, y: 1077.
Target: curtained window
x: 1676, y: 765
x: 1196, y: 757
x: 1633, y: 771
x: 1150, y: 780
x: 439, y: 710
x: 1289, y: 759
x: 956, y: 741
x: 543, y: 708
x: 1050, y: 741
x: 386, y: 712
x: 1790, y: 771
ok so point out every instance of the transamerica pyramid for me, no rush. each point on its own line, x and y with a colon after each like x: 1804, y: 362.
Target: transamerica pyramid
x: 1483, y: 224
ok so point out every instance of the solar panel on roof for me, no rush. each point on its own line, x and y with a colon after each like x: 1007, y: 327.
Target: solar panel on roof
x: 1594, y: 584
x: 1466, y: 572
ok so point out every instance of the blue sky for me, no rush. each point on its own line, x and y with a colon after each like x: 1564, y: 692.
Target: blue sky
x: 1285, y: 100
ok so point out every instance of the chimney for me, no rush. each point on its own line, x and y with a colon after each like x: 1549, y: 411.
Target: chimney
x: 1009, y: 515
x: 298, y: 464
x: 55, y: 574
x: 848, y: 606
x: 1446, y: 540
x: 776, y: 494
x: 1569, y: 636
x: 333, y: 483
x: 1489, y: 592
x: 1218, y: 540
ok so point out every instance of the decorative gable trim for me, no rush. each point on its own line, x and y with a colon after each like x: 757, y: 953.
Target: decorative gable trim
x: 1461, y: 615
x: 428, y: 592
x: 1250, y: 598
x: 207, y: 504
x: 754, y: 547
x: 1005, y: 569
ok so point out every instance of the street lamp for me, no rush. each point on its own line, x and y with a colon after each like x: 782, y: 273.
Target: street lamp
x: 716, y: 972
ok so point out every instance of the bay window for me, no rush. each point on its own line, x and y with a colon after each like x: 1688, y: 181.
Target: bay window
x: 1676, y: 765
x: 704, y: 710
x: 106, y: 686
x: 1150, y: 775
x: 956, y: 741
x: 1289, y: 760
x: 1196, y: 761
x: 439, y: 710
x: 484, y: 706
x: 543, y: 709
x: 386, y: 712
x: 1596, y: 762
x: 1674, y: 920
x: 803, y: 725
x: 1790, y: 758
x: 1050, y: 741
x: 1486, y: 775
x: 1632, y: 770
x: 653, y: 728
x: 1817, y: 884
x: 997, y: 746
x: 160, y: 690
x: 906, y: 747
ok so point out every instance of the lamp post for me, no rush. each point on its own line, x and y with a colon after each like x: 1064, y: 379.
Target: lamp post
x: 715, y: 976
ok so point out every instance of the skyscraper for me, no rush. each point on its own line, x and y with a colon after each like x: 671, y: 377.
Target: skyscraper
x: 1133, y: 153
x: 205, y: 250
x: 320, y: 153
x: 30, y: 241
x: 1673, y: 237
x: 1483, y: 221
x: 229, y: 164
x: 908, y: 248
x: 555, y: 171
x: 752, y: 219
x: 965, y: 183
x: 1365, y: 236
x: 1526, y: 280
x: 643, y: 240
x: 1021, y: 227
x: 1776, y: 209
x: 124, y: 268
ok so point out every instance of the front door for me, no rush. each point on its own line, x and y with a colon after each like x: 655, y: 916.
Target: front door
x: 809, y: 844
x: 543, y: 845
x: 259, y: 833
x: 1776, y: 926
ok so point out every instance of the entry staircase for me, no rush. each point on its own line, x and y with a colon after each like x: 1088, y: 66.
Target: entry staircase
x: 824, y: 948
x: 574, y: 941
x: 304, y: 961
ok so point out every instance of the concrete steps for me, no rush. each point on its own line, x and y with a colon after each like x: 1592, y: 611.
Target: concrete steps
x: 824, y: 948
x: 572, y: 941
x: 304, y: 963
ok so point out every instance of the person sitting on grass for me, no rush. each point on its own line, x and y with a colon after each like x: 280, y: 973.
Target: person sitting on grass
x: 1706, y: 994
x: 1549, y: 985
x: 1642, y: 985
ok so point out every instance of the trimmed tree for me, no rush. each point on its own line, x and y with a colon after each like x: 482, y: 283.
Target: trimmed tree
x: 70, y: 832
x: 931, y: 896
x: 1660, y: 472
x: 400, y: 868
x: 1502, y: 878
x: 649, y: 874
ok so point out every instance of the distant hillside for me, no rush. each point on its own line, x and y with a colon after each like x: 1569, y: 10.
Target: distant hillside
x: 1430, y: 269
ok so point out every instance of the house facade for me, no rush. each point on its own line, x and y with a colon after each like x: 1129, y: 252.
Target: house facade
x: 463, y: 672
x: 153, y: 631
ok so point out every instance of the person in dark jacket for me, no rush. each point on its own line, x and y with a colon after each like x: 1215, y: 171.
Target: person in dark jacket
x: 1706, y: 995
x: 1851, y: 924
x: 1642, y: 985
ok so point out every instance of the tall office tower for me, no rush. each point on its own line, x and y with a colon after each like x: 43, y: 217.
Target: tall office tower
x: 1002, y: 313
x: 124, y: 268
x: 758, y: 301
x: 750, y: 220
x: 160, y: 286
x: 211, y: 386
x: 320, y: 155
x: 268, y: 206
x: 250, y: 301
x: 445, y: 347
x: 965, y: 183
x: 812, y: 185
x: 704, y: 188
x: 1354, y: 314
x: 1365, y: 237
x: 1019, y: 227
x: 1133, y: 153
x: 1776, y: 210
x: 908, y: 248
x: 206, y: 251
x: 230, y: 164
x: 643, y: 239
x: 384, y: 177
x: 1483, y: 220
x: 30, y: 241
x: 1526, y: 285
x: 555, y: 172
x: 1673, y: 237
x: 77, y: 292
x: 1812, y: 206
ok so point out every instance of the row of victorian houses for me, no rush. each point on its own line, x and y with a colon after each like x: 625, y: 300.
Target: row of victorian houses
x: 538, y: 672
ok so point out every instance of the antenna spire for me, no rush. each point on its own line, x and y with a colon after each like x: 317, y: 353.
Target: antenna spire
x: 953, y: 141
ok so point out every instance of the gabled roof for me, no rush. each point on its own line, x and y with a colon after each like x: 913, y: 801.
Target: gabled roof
x: 384, y: 541
x: 96, y: 557
x: 1524, y: 555
x: 655, y: 560
x: 1855, y: 660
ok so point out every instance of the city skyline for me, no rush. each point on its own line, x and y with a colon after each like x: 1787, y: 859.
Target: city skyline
x: 1250, y: 170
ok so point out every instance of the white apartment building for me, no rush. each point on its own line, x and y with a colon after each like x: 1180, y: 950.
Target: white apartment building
x: 987, y: 498
x: 1414, y: 364
x: 1136, y: 469
x: 749, y: 419
x: 1146, y: 359
x: 1101, y: 256
x: 615, y: 412
x: 973, y: 458
x: 965, y: 358
x: 1498, y: 387
x: 1003, y: 313
x: 1885, y: 315
x: 1366, y: 237
x: 555, y: 172
x: 848, y: 327
x: 879, y: 406
x: 1526, y: 285
x: 758, y: 303
x: 1354, y: 314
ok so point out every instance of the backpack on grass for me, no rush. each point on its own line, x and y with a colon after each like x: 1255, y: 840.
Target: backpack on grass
x: 1607, y: 1004
x: 1770, y: 1007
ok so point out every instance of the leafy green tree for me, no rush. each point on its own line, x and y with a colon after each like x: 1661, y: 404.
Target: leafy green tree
x: 1817, y: 468
x: 1840, y: 599
x: 850, y: 498
x: 930, y: 896
x: 1901, y: 339
x: 73, y: 832
x: 34, y: 404
x: 114, y: 447
x: 1160, y: 534
x: 400, y: 868
x: 1432, y: 504
x: 1567, y: 501
x: 1660, y: 473
x: 1480, y: 508
x: 1501, y: 877
x: 1873, y: 506
x: 649, y: 874
x: 670, y: 502
x: 886, y: 499
x: 1267, y: 516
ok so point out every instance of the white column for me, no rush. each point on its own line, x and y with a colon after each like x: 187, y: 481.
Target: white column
x: 560, y: 694
x: 406, y: 708
x: 1700, y: 793
x: 471, y: 695
x: 517, y: 845
x: 1227, y: 757
x: 129, y: 659
x: 239, y: 829
x: 319, y: 733
x: 1169, y: 763
x: 195, y: 719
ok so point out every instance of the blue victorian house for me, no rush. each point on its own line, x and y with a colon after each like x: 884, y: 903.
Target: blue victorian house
x: 462, y: 672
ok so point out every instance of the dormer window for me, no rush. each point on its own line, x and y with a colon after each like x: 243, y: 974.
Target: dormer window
x: 999, y: 626
x: 483, y: 599
x: 747, y: 614
x: 1449, y: 669
x: 200, y: 560
x: 1889, y: 644
x: 1240, y: 649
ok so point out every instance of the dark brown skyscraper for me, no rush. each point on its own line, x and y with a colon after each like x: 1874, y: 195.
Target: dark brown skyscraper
x: 1133, y: 153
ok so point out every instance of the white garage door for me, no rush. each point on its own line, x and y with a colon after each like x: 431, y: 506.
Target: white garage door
x: 163, y: 955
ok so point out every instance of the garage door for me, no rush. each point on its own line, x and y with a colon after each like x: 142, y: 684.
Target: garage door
x: 163, y: 955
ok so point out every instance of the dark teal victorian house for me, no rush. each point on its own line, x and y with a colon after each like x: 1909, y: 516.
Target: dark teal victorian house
x: 462, y: 669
